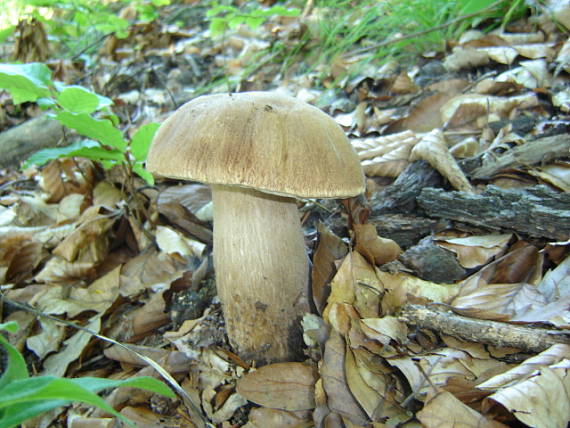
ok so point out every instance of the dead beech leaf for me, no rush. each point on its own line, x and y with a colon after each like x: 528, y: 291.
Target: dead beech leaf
x: 556, y: 173
x: 58, y: 270
x: 386, y: 329
x: 171, y: 241
x: 385, y: 156
x: 330, y: 248
x: 262, y: 417
x: 376, y: 249
x: 339, y: 398
x: 498, y: 301
x: 368, y: 398
x: 400, y: 285
x: 48, y: 340
x: 465, y: 148
x: 465, y: 57
x: 105, y: 194
x: 475, y: 251
x: 556, y: 283
x: 354, y: 272
x: 446, y: 411
x: 286, y: 386
x: 98, y: 296
x: 542, y: 400
x: 549, y: 357
x: 149, y: 269
x: 21, y: 257
x: 92, y: 228
x: 56, y: 364
x: 467, y: 108
x: 433, y: 149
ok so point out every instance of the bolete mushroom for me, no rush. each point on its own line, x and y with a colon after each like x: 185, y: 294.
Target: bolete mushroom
x: 259, y: 151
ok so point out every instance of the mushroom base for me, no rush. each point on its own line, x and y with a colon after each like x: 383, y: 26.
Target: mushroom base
x: 262, y: 272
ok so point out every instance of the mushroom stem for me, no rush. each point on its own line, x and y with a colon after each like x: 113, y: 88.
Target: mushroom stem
x: 262, y: 272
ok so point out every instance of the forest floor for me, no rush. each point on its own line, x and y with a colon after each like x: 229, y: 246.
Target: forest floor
x: 441, y: 295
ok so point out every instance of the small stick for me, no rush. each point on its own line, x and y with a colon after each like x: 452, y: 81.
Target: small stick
x: 498, y: 334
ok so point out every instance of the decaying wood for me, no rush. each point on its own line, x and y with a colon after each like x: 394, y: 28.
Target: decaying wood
x: 400, y: 196
x: 18, y: 143
x: 493, y: 333
x: 542, y: 150
x: 432, y: 262
x: 535, y: 211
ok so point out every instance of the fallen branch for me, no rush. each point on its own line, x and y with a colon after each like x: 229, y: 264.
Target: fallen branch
x: 498, y: 334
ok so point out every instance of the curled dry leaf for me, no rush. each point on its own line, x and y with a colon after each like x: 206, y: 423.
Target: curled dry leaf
x: 499, y: 301
x: 385, y: 156
x: 171, y: 241
x: 549, y: 357
x: 263, y: 417
x: 433, y: 149
x: 89, y: 239
x: 446, y: 411
x: 286, y: 386
x: 475, y: 251
x: 339, y: 398
x: 106, y: 194
x: 354, y: 272
x: 467, y: 108
x: 542, y: 400
x: 401, y: 285
x: 330, y: 248
x: 376, y: 249
x: 56, y: 364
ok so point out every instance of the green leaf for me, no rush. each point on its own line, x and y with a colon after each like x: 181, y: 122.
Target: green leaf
x: 102, y: 130
x: 10, y: 326
x: 218, y: 26
x: 139, y: 169
x: 78, y: 100
x: 6, y: 32
x: 24, y: 399
x: 16, y: 366
x: 25, y: 82
x: 141, y: 140
x: 86, y: 149
x: 254, y: 22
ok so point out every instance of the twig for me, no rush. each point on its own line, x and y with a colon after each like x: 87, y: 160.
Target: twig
x: 493, y: 333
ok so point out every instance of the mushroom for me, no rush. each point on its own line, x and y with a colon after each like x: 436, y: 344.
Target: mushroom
x: 259, y: 151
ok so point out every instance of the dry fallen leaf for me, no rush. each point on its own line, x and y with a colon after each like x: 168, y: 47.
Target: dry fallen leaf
x: 543, y: 400
x: 376, y: 249
x: 433, y: 149
x: 285, y: 386
x: 446, y: 411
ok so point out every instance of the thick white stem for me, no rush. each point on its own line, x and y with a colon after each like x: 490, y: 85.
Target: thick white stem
x: 262, y: 272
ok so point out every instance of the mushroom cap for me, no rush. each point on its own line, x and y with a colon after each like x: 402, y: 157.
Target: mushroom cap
x: 263, y: 140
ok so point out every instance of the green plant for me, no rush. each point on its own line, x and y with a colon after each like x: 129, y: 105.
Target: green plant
x: 84, y: 111
x: 224, y: 17
x: 375, y: 32
x: 23, y: 397
x: 77, y: 24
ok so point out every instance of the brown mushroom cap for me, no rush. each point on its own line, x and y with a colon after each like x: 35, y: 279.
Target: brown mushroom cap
x: 264, y: 140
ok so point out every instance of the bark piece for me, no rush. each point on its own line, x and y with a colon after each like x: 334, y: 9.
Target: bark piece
x: 433, y: 263
x: 535, y: 211
x: 400, y: 196
x: 18, y: 143
x: 493, y: 333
